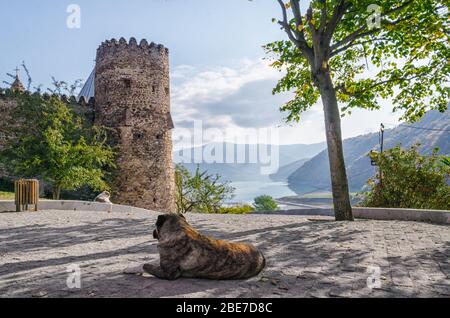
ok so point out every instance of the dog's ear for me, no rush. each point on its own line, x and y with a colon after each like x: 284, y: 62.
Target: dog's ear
x: 160, y: 221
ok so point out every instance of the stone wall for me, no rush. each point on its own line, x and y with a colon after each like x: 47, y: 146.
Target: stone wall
x: 132, y: 96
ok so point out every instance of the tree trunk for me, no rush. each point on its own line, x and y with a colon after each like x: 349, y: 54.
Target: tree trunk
x: 339, y: 182
x: 56, y: 192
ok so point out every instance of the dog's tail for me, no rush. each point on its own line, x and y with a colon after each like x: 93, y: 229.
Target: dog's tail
x: 262, y: 263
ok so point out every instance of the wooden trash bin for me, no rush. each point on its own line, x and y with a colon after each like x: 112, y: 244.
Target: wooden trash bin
x: 26, y: 194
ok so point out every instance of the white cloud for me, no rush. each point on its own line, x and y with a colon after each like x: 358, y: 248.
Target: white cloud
x: 193, y: 86
x: 238, y: 97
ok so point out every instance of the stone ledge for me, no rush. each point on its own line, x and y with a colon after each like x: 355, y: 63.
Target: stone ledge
x: 433, y: 216
x: 72, y: 205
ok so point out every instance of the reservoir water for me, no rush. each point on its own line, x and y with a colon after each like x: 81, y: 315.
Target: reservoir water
x: 246, y: 191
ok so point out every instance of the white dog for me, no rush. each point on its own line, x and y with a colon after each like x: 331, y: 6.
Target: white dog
x: 103, y: 197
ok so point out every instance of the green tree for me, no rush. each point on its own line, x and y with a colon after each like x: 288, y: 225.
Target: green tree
x: 265, y: 203
x: 446, y: 161
x: 51, y: 142
x: 406, y: 179
x: 200, y: 192
x: 329, y: 48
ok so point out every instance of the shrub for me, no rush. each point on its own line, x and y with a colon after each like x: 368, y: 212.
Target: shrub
x: 265, y: 203
x: 237, y: 209
x: 200, y: 192
x: 406, y: 179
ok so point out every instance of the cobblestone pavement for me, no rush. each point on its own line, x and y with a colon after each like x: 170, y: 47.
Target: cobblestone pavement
x: 306, y: 256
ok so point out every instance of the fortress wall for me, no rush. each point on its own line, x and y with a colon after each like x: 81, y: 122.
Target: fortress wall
x: 132, y: 96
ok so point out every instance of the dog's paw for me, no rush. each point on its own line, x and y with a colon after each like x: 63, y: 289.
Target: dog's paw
x: 150, y: 268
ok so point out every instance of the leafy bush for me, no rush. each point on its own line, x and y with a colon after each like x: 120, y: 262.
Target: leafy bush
x: 6, y: 184
x: 51, y: 142
x: 237, y: 209
x: 406, y: 179
x: 200, y: 192
x: 446, y: 161
x: 265, y: 203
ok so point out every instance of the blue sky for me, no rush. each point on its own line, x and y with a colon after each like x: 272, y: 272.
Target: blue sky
x: 197, y: 32
x: 217, y: 70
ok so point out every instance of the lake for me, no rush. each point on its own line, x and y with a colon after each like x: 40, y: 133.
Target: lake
x: 246, y: 191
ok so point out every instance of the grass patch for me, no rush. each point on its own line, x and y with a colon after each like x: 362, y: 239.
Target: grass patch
x: 6, y: 195
x: 317, y: 195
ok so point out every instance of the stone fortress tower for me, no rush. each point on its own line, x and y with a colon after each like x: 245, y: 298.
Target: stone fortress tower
x: 132, y: 98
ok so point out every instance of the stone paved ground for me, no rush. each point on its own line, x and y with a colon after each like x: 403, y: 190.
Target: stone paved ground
x: 307, y: 256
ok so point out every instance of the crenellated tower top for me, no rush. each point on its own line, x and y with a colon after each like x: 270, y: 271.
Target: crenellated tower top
x: 113, y: 47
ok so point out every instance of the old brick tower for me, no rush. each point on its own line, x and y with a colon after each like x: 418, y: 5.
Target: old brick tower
x: 132, y: 97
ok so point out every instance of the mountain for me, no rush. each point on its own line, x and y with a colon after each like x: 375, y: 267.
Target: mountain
x: 285, y: 171
x: 433, y: 131
x: 244, y: 162
x: 292, y: 153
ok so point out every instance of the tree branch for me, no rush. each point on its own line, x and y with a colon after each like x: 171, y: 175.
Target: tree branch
x: 400, y: 7
x: 355, y: 36
x: 323, y: 16
x: 338, y: 14
x: 295, y: 4
x: 301, y: 42
x: 352, y: 37
x: 285, y: 23
x: 360, y: 31
x: 400, y: 79
x: 336, y: 52
x: 309, y: 17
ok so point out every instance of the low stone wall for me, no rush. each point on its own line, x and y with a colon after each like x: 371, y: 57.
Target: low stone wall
x: 434, y: 216
x: 70, y: 205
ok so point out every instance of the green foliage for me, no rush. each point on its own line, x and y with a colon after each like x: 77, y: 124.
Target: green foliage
x: 6, y: 184
x: 446, y: 161
x: 237, y: 209
x: 53, y: 143
x: 265, y: 203
x: 407, y: 56
x: 407, y: 179
x: 200, y: 192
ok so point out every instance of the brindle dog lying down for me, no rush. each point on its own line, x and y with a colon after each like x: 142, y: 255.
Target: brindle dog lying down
x: 184, y: 252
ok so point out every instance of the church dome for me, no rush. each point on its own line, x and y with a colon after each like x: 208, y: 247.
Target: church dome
x: 17, y: 85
